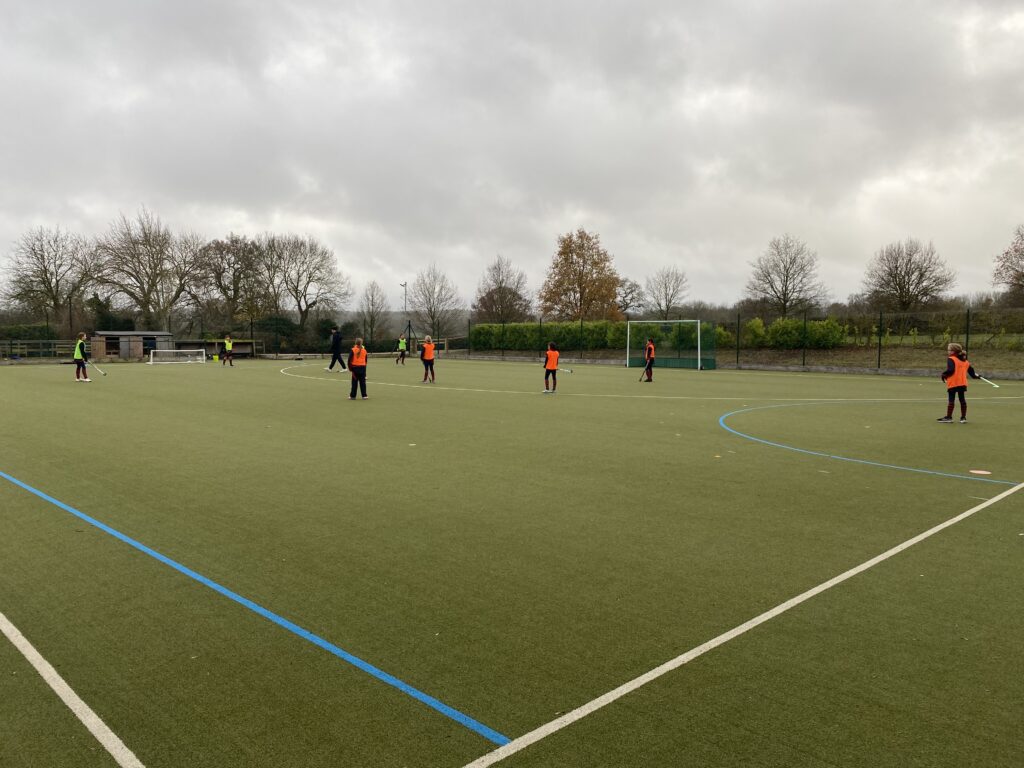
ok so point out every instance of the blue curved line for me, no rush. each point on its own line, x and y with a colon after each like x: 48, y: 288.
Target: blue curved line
x: 727, y: 428
x: 439, y: 706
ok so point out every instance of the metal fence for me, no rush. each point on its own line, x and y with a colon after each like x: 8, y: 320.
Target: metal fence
x: 994, y: 339
x: 883, y: 341
x: 597, y: 340
x: 15, y: 349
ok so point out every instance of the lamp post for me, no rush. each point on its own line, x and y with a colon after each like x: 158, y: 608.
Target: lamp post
x: 405, y: 308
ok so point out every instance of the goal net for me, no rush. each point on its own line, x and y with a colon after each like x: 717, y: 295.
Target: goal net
x: 158, y: 356
x: 677, y: 343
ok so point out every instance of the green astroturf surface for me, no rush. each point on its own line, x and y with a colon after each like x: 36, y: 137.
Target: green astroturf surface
x: 514, y: 555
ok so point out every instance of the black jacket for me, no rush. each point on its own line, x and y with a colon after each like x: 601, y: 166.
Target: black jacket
x: 336, y: 343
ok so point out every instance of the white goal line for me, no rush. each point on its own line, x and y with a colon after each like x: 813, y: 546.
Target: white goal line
x: 123, y: 756
x: 520, y: 743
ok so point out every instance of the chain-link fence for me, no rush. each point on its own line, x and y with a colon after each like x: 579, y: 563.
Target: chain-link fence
x: 597, y: 341
x: 994, y: 339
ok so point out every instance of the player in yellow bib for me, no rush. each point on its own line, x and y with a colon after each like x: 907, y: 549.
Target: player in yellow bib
x: 403, y: 346
x: 81, y: 358
x: 228, y: 357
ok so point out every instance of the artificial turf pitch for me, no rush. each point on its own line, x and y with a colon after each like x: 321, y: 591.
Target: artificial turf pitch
x: 512, y: 555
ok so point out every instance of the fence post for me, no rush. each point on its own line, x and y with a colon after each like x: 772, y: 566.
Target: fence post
x: 469, y: 337
x: 738, y: 339
x: 967, y: 336
x: 879, y: 341
x: 803, y: 361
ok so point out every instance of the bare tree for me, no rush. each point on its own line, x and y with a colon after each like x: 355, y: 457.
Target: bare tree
x: 629, y: 296
x: 581, y: 281
x: 666, y: 289
x: 785, y: 277
x: 435, y: 301
x: 308, y: 274
x: 373, y: 309
x: 907, y: 275
x: 143, y: 261
x: 501, y: 296
x: 49, y: 272
x: 270, y: 260
x: 1009, y: 267
x: 225, y: 275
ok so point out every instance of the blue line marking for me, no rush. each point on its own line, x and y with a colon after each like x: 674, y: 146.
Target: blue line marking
x: 723, y: 425
x: 454, y: 714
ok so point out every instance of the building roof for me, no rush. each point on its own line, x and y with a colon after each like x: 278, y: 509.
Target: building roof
x: 161, y: 334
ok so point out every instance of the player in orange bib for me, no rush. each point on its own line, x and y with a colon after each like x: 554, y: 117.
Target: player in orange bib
x: 357, y: 365
x: 551, y: 368
x: 649, y: 360
x: 427, y: 357
x: 958, y: 369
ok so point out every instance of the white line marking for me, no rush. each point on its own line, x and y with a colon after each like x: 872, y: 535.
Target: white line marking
x: 567, y: 719
x: 121, y: 754
x: 419, y: 386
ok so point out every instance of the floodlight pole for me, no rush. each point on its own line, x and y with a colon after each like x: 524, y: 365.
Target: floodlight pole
x: 405, y: 310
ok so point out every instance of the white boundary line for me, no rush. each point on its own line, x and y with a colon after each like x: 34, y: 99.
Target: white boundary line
x: 432, y: 388
x: 569, y: 718
x: 121, y: 754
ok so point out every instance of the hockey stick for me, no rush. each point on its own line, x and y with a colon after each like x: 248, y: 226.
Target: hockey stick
x: 104, y: 373
x: 565, y: 370
x: 989, y: 382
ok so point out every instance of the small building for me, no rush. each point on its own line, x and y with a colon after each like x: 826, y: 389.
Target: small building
x: 129, y: 345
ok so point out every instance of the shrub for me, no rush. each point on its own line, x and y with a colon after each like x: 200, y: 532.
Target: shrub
x: 481, y: 336
x: 616, y: 338
x: 785, y: 333
x: 826, y: 334
x: 754, y: 334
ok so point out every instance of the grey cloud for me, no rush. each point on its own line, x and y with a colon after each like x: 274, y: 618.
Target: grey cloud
x: 406, y: 132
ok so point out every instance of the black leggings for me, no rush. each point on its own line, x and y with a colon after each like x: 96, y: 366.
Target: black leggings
x: 336, y: 358
x: 554, y: 378
x: 961, y: 391
x: 358, y: 380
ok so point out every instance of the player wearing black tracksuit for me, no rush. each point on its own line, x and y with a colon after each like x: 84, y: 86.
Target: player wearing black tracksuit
x: 335, y: 350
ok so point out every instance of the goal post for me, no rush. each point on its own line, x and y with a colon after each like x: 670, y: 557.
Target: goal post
x: 161, y: 356
x: 677, y: 343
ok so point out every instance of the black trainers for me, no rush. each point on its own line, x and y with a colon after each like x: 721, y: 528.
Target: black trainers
x: 945, y: 420
x: 963, y: 419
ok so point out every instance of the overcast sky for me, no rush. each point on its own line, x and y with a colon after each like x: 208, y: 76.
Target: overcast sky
x: 402, y: 133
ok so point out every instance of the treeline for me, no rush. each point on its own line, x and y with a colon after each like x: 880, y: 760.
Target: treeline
x: 140, y: 274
